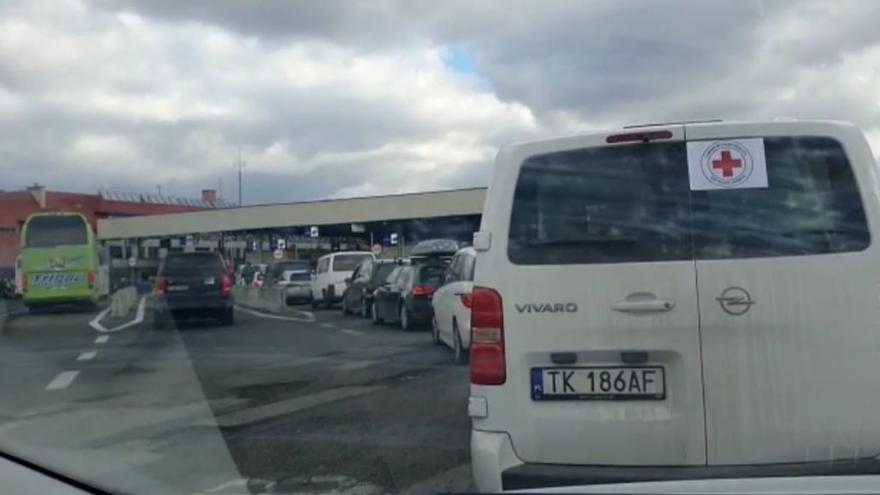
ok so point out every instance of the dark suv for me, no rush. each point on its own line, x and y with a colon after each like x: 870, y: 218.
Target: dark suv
x: 193, y: 284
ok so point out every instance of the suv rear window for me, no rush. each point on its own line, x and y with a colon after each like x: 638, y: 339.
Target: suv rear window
x: 194, y: 263
x: 633, y: 203
x: 432, y: 275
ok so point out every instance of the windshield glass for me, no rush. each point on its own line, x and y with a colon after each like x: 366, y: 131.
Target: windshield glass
x: 403, y: 247
x: 48, y: 231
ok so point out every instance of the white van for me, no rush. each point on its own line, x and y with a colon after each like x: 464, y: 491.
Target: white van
x: 328, y: 284
x: 678, y: 301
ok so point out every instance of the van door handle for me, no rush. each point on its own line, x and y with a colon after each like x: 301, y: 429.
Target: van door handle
x: 645, y: 306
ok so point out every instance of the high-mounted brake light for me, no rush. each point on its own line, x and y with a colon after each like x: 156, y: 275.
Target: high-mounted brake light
x: 488, y: 363
x: 631, y: 137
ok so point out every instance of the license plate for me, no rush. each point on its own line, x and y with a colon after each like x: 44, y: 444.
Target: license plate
x: 177, y: 288
x: 599, y: 383
x: 209, y: 281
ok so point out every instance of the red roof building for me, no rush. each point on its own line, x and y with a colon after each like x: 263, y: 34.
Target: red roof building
x: 16, y: 206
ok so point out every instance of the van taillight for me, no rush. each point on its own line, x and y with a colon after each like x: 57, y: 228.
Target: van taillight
x: 93, y: 277
x: 488, y: 365
x: 225, y: 284
x: 161, y: 284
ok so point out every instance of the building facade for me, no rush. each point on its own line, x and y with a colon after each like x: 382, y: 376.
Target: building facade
x: 16, y: 206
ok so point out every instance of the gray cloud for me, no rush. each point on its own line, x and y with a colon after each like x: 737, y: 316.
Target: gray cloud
x: 351, y: 98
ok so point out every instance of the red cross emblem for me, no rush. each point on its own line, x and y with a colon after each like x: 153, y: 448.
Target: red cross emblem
x: 727, y: 164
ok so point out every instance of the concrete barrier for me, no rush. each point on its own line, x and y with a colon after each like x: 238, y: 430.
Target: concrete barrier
x: 123, y: 301
x: 265, y: 298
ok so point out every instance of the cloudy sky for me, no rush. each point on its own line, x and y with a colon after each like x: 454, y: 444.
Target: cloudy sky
x: 345, y: 98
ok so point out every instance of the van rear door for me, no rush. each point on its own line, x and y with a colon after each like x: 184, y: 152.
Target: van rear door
x: 788, y: 292
x: 597, y: 279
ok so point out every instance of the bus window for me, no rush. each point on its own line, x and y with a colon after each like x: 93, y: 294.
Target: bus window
x: 48, y: 231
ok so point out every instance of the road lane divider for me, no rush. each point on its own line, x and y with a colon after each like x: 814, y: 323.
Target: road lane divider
x: 290, y: 406
x: 102, y: 339
x: 62, y: 380
x: 328, y: 325
x: 138, y: 318
x: 351, y: 332
x: 87, y: 356
x: 303, y: 317
x: 265, y: 301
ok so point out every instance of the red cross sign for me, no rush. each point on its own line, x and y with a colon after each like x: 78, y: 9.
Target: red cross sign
x: 726, y: 164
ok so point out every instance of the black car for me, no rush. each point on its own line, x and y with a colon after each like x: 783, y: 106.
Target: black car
x: 369, y: 274
x: 193, y: 284
x: 405, y: 297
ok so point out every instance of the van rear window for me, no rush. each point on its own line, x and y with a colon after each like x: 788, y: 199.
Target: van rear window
x: 812, y: 206
x: 633, y: 203
x: 602, y: 205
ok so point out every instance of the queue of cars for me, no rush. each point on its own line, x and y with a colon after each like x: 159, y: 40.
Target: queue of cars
x: 430, y: 289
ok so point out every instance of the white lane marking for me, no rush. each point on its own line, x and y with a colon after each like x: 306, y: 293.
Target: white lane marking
x: 351, y: 332
x: 354, y: 365
x: 138, y: 317
x: 240, y: 482
x: 62, y: 381
x: 87, y: 356
x: 102, y: 339
x: 306, y: 318
x: 96, y: 321
x: 289, y: 406
x: 328, y: 325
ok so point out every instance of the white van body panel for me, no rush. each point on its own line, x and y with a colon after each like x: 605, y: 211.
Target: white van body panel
x: 794, y: 379
x: 669, y: 432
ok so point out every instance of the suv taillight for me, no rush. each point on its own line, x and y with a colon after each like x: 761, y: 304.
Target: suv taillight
x: 225, y: 284
x: 161, y: 284
x: 467, y: 300
x: 488, y: 365
x: 93, y: 277
x: 422, y: 290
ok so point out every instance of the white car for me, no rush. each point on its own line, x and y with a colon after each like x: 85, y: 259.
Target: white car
x: 452, y: 305
x: 678, y: 301
x: 328, y: 284
x: 297, y: 285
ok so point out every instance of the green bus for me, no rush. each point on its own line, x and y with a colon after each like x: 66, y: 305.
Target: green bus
x: 61, y: 262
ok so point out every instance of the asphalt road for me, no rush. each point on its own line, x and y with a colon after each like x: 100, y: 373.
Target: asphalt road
x: 311, y: 402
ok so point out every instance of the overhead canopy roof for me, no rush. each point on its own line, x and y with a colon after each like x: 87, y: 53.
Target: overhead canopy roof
x: 325, y: 212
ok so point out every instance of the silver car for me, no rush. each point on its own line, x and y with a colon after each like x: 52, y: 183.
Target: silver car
x: 297, y: 285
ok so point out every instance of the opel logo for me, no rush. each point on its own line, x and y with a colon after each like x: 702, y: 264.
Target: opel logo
x: 735, y: 301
